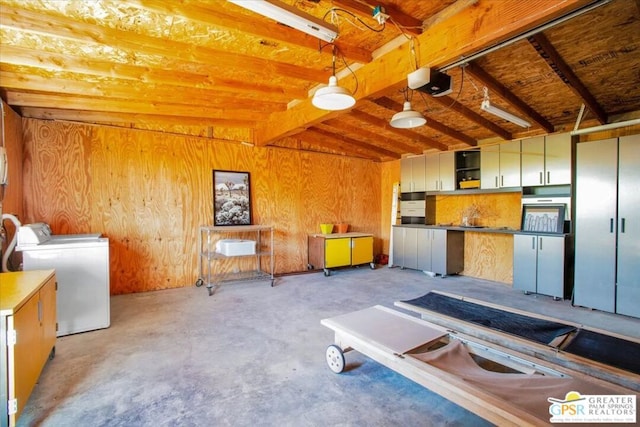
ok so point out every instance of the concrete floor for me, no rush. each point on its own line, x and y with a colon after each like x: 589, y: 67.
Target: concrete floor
x: 252, y: 355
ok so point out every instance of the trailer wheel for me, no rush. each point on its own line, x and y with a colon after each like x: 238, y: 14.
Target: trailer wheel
x: 199, y: 282
x: 335, y: 358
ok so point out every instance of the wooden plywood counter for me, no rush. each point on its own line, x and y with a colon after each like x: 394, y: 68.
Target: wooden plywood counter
x: 17, y: 287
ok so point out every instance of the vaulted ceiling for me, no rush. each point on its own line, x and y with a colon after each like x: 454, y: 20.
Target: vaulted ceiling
x: 217, y: 70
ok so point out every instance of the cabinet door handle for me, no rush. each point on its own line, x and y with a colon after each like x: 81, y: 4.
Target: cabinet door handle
x: 496, y: 180
x: 610, y: 225
x: 540, y: 177
x: 548, y: 177
x: 40, y: 311
x: 622, y: 224
x: 533, y: 243
x: 540, y: 244
x: 501, y: 180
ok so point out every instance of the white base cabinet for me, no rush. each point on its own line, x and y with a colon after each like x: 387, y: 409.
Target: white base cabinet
x: 428, y: 249
x: 541, y: 264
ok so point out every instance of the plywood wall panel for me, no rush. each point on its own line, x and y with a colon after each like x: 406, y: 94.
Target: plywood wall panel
x: 496, y: 210
x: 58, y: 175
x: 150, y: 192
x: 488, y: 256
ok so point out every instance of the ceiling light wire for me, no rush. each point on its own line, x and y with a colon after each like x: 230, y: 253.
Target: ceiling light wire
x: 335, y: 10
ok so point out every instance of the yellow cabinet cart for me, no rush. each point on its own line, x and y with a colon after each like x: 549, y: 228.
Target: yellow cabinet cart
x: 328, y: 251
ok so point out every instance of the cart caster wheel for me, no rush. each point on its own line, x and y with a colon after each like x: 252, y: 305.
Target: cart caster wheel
x: 52, y: 354
x: 326, y: 272
x: 199, y: 282
x: 335, y: 358
x: 527, y: 292
x: 557, y: 298
x: 372, y: 265
x: 272, y: 283
x: 309, y: 267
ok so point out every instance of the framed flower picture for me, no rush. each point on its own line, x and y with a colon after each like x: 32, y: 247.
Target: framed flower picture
x: 231, y: 198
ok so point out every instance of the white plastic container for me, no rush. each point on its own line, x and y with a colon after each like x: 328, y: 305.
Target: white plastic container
x: 236, y: 247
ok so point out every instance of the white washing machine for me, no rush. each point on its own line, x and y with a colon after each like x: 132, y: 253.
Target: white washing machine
x: 81, y: 262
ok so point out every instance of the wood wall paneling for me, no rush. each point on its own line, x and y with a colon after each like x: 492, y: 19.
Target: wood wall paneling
x: 12, y: 194
x: 149, y: 193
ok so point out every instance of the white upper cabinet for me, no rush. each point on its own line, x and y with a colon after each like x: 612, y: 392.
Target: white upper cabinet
x: 440, y: 173
x: 546, y: 160
x: 557, y: 159
x: 500, y: 165
x: 412, y: 174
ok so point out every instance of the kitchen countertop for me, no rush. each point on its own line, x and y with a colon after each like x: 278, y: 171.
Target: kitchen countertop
x: 478, y: 229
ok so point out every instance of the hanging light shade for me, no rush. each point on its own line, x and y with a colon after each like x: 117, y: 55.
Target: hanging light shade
x: 407, y: 118
x: 333, y: 97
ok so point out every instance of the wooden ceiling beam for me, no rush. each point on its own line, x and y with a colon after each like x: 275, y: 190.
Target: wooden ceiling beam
x: 135, y: 45
x: 392, y: 105
x: 356, y: 143
x: 199, y: 78
x: 408, y: 23
x: 469, y: 114
x: 426, y: 143
x: 334, y: 146
x: 259, y: 26
x: 134, y: 91
x: 25, y: 99
x: 440, y: 44
x: 340, y: 125
x: 551, y: 56
x: 499, y: 89
x: 128, y: 118
x: 448, y: 12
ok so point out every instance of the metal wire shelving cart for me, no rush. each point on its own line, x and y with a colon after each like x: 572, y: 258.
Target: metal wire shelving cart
x: 234, y: 254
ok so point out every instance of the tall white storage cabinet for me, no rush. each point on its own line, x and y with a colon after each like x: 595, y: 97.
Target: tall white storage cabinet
x: 607, y: 229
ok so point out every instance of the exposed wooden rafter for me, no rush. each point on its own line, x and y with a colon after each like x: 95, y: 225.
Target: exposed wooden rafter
x: 112, y: 89
x: 356, y: 143
x: 393, y: 144
x: 424, y: 142
x: 392, y: 105
x: 448, y: 102
x: 499, y: 89
x: 444, y: 43
x: 408, y: 23
x: 199, y: 76
x: 127, y: 119
x: 260, y: 27
x: 560, y: 67
x: 313, y: 137
x: 122, y: 105
x: 65, y: 27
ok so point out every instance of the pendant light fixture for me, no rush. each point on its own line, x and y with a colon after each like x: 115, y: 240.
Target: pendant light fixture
x: 333, y: 97
x: 407, y: 118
